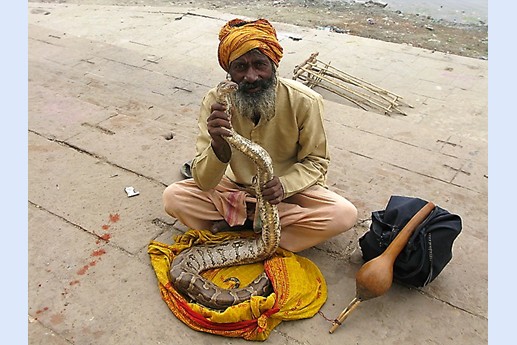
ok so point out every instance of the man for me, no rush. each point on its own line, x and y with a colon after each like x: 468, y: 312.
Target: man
x: 283, y: 116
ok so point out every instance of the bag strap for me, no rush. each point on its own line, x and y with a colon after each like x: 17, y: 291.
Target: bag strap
x: 402, y: 238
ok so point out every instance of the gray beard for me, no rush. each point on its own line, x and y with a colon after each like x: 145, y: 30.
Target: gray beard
x: 256, y: 106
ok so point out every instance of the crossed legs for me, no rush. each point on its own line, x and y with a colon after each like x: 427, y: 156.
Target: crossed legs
x: 307, y: 218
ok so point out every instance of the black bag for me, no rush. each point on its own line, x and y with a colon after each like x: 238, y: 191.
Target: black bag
x: 429, y: 248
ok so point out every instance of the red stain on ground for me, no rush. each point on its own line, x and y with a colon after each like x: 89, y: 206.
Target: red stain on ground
x: 41, y: 310
x: 83, y: 270
x: 98, y: 252
x: 106, y: 237
x: 114, y: 217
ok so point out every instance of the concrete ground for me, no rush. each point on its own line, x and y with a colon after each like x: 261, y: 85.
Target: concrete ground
x: 113, y: 99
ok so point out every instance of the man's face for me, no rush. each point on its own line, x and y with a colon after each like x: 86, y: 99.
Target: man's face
x: 253, y: 72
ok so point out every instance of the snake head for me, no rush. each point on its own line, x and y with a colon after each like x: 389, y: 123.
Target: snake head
x: 227, y: 86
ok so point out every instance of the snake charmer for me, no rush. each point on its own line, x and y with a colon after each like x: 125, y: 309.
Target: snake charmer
x: 284, y: 117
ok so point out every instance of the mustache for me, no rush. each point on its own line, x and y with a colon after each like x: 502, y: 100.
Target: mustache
x: 261, y: 83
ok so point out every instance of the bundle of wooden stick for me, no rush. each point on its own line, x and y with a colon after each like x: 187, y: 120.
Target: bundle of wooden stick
x: 312, y: 72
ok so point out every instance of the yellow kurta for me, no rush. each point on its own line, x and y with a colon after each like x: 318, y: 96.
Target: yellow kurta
x: 294, y: 137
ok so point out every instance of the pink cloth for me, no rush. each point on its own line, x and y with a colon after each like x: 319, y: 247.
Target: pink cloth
x: 233, y: 207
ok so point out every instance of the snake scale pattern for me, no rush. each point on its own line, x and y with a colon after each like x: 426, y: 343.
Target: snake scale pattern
x: 187, y: 266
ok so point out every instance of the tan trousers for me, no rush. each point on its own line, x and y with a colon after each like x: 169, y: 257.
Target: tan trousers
x: 307, y: 218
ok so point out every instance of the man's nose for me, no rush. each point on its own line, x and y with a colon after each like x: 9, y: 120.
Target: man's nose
x: 251, y: 76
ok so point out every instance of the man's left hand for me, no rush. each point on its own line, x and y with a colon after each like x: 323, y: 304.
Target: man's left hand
x: 273, y: 191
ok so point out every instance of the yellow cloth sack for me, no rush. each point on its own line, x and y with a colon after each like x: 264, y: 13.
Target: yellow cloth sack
x: 299, y: 288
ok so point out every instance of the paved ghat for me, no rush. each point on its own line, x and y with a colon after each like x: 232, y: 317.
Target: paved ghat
x: 114, y: 93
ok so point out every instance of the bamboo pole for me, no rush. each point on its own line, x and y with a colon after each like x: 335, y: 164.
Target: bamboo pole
x: 365, y: 84
x: 362, y: 96
x: 363, y: 81
x: 344, y: 96
x: 314, y: 72
x: 383, y: 94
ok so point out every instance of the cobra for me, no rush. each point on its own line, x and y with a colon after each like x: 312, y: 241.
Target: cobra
x: 186, y: 268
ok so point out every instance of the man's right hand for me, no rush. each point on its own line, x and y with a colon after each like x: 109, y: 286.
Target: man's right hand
x: 218, y: 124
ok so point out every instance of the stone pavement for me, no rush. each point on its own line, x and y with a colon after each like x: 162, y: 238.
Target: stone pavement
x: 114, y: 93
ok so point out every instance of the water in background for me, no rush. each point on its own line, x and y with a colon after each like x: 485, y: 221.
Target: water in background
x: 458, y: 11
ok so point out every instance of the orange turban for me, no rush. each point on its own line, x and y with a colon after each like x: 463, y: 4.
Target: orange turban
x: 238, y: 37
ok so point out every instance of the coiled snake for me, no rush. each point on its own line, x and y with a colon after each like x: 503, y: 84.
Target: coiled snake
x: 187, y: 266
